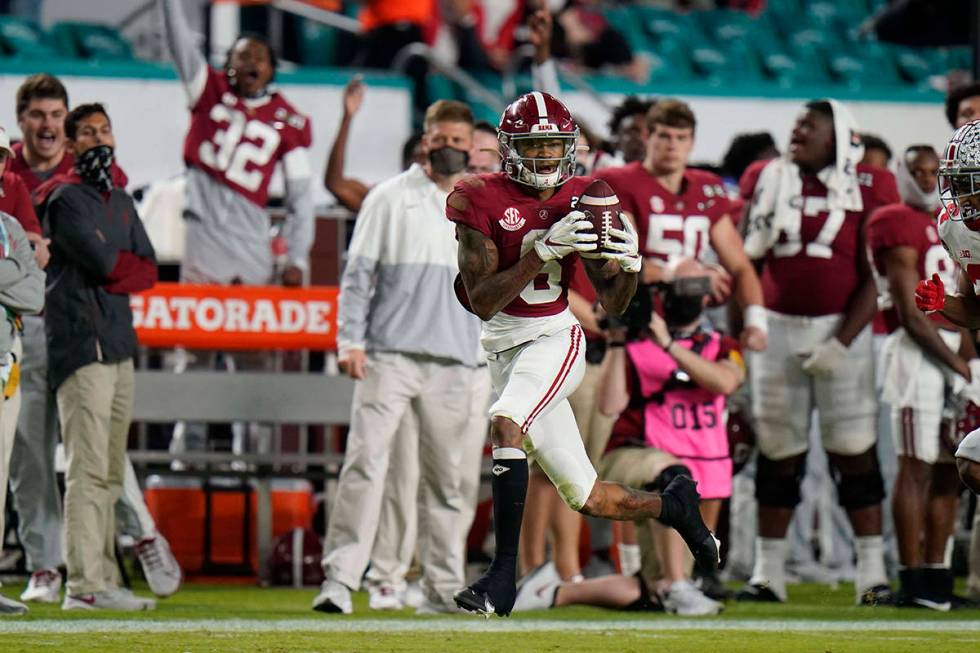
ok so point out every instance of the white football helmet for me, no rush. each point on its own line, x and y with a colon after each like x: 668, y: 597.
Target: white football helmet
x: 959, y: 174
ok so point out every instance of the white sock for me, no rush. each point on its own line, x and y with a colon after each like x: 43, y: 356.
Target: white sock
x: 870, y: 563
x: 770, y: 564
x: 629, y: 558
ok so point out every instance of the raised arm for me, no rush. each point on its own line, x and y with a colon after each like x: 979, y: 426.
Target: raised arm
x: 349, y: 192
x: 190, y: 63
x: 544, y: 72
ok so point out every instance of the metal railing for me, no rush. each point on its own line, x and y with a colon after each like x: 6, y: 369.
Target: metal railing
x: 473, y: 87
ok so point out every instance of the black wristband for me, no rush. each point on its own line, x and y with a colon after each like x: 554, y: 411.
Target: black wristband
x: 615, y: 344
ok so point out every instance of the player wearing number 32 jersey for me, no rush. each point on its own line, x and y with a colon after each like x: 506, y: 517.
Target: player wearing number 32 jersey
x: 239, y: 132
x: 805, y: 225
x: 519, y: 234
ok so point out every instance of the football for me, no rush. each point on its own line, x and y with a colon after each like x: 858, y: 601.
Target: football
x: 601, y: 207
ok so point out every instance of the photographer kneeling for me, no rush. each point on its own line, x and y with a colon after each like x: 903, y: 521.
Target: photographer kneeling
x: 667, y: 379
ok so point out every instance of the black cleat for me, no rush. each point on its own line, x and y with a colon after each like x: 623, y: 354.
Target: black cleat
x: 702, y: 542
x: 879, y: 595
x: 757, y: 594
x: 488, y: 595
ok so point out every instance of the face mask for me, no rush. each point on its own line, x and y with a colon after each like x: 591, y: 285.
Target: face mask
x: 680, y: 311
x: 94, y: 166
x: 448, y: 160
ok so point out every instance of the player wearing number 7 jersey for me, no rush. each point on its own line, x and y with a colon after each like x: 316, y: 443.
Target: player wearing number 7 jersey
x: 805, y: 227
x: 240, y: 130
x: 518, y: 235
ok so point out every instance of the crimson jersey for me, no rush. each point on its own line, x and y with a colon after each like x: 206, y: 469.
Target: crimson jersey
x: 238, y: 141
x: 15, y: 200
x: 816, y: 270
x: 496, y: 206
x: 900, y: 225
x: 670, y: 225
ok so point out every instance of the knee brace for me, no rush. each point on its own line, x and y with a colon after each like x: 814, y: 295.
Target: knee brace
x: 856, y: 490
x: 664, y: 478
x: 777, y: 482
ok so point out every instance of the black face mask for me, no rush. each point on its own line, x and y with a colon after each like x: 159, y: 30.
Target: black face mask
x: 448, y: 160
x: 680, y: 311
x: 94, y: 166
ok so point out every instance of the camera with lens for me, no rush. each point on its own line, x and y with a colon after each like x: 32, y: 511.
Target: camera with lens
x: 682, y: 300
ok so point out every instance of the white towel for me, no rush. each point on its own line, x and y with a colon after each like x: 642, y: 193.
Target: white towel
x: 775, y: 206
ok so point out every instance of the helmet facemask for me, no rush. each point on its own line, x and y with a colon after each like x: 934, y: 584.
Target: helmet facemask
x: 957, y: 184
x: 536, y: 171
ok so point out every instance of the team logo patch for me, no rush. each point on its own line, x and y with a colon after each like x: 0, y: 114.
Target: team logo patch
x: 497, y: 470
x: 965, y: 253
x: 512, y: 220
x: 543, y: 214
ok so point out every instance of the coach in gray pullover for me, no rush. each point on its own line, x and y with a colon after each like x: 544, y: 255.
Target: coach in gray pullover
x: 411, y: 347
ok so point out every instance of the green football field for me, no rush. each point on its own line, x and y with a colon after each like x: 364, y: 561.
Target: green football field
x: 213, y: 618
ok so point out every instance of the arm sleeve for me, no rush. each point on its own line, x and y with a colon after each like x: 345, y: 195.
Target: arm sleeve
x: 24, y: 290
x: 23, y: 207
x: 77, y: 237
x: 299, y: 229
x: 545, y: 78
x: 358, y: 281
x: 190, y: 63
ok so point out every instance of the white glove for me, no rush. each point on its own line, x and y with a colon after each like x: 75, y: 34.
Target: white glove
x: 625, y: 245
x: 573, y: 233
x: 969, y: 391
x: 825, y: 357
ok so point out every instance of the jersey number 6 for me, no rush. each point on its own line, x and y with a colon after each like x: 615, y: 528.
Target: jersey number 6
x: 546, y: 287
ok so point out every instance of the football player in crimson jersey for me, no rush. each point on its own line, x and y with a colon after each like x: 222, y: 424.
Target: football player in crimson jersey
x: 240, y: 131
x: 924, y: 359
x: 805, y: 227
x: 518, y: 236
x: 682, y: 212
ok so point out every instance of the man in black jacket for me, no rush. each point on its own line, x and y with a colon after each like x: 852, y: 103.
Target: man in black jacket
x: 100, y: 254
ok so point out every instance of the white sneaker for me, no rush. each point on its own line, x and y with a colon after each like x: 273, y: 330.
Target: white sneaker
x: 536, y: 591
x: 160, y: 567
x: 413, y: 597
x: 10, y: 607
x: 384, y: 596
x: 333, y: 597
x: 685, y: 599
x: 110, y: 599
x: 44, y: 587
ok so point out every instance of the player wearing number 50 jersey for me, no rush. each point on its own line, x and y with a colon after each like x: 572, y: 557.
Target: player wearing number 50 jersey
x: 240, y: 131
x: 682, y: 213
x: 518, y: 235
x: 805, y: 227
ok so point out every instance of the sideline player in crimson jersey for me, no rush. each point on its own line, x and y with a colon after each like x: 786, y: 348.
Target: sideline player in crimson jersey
x: 681, y: 213
x: 240, y: 130
x: 924, y: 359
x: 804, y: 225
x: 518, y: 235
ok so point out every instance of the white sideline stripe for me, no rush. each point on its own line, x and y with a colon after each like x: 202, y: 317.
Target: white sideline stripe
x: 469, y: 625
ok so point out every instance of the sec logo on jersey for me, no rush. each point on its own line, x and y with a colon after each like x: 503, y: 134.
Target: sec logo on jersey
x: 512, y: 220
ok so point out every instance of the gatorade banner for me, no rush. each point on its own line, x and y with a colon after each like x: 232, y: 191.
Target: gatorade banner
x: 236, y: 317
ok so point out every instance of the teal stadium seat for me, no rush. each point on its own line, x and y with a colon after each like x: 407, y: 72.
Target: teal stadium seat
x: 316, y: 43
x: 24, y: 39
x: 91, y: 41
